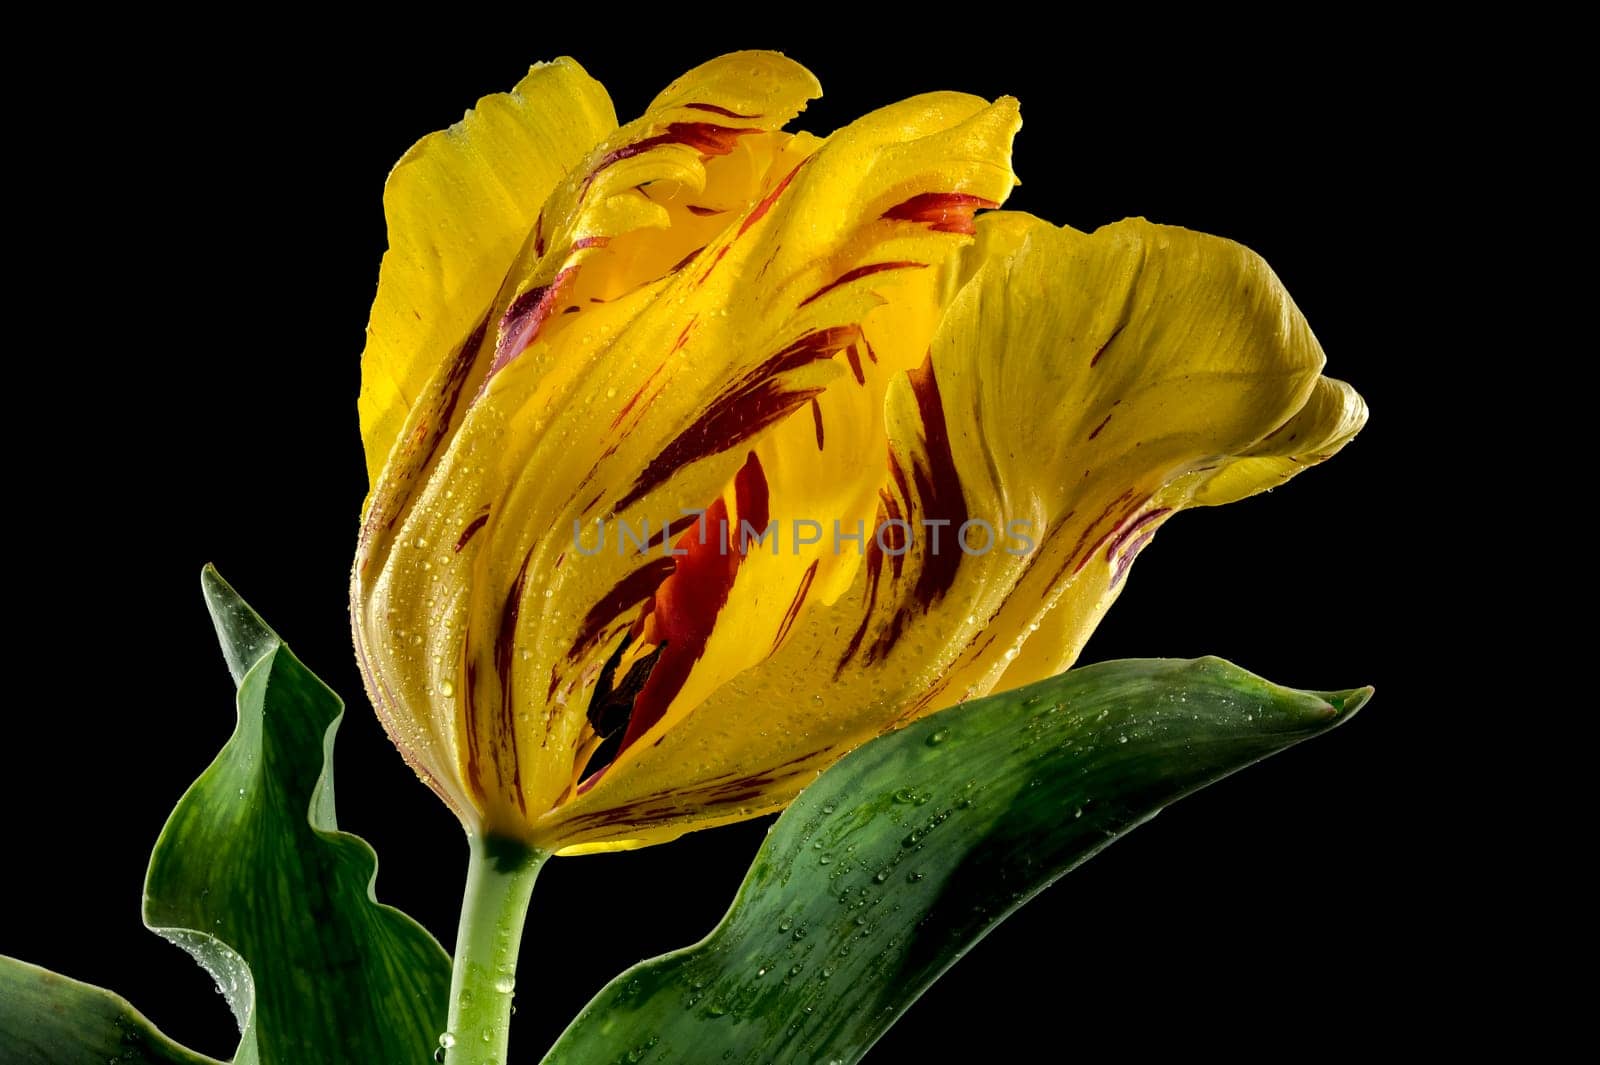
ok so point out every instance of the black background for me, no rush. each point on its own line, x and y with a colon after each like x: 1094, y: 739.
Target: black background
x: 221, y: 229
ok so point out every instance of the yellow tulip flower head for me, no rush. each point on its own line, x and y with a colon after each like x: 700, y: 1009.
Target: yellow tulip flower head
x: 702, y: 452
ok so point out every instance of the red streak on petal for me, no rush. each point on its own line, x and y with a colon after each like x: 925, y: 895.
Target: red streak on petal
x: 474, y: 770
x: 521, y: 323
x: 1133, y: 527
x: 1101, y: 350
x: 627, y: 593
x: 1101, y: 426
x: 855, y: 364
x: 705, y: 137
x: 472, y: 527
x: 792, y: 615
x: 938, y: 485
x: 816, y: 418
x: 760, y: 210
x: 874, y: 572
x: 1129, y: 555
x: 705, y: 212
x: 859, y: 272
x: 943, y: 212
x: 504, y: 645
x: 715, y: 259
x: 749, y: 405
x: 723, y: 111
x: 688, y: 602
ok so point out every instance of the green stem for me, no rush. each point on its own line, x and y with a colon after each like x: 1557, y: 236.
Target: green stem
x: 499, y: 885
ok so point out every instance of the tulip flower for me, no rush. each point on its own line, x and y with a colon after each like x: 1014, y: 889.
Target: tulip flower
x: 597, y: 352
x: 702, y: 452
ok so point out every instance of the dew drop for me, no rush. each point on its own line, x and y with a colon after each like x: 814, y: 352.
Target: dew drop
x: 938, y: 737
x: 505, y: 984
x: 446, y: 689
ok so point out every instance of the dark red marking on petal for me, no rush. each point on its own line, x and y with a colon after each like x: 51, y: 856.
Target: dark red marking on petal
x: 715, y: 259
x: 683, y: 337
x: 1126, y: 561
x: 705, y: 212
x: 680, y: 524
x: 816, y: 420
x: 894, y: 534
x: 688, y: 602
x: 874, y: 572
x: 571, y: 310
x: 472, y: 527
x: 1280, y: 429
x: 1133, y: 503
x: 871, y: 354
x: 859, y: 272
x: 1101, y: 350
x: 750, y: 495
x: 938, y: 484
x: 627, y: 593
x: 892, y: 508
x: 792, y: 615
x: 523, y: 319
x: 637, y: 395
x: 474, y: 771
x: 590, y: 242
x: 677, y: 345
x: 425, y: 440
x: 755, y: 401
x: 1133, y: 527
x: 668, y: 802
x: 504, y: 647
x: 538, y: 235
x: 759, y: 211
x: 707, y: 138
x: 685, y: 261
x: 943, y: 212
x: 776, y: 248
x: 1101, y: 426
x: 723, y: 111
x: 854, y: 357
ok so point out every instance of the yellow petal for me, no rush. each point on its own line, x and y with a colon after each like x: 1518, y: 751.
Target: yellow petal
x: 459, y: 206
x: 1086, y: 386
x: 438, y: 566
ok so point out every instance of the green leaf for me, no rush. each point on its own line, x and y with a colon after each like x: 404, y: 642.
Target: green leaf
x: 47, y: 1019
x: 907, y: 852
x: 253, y: 878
